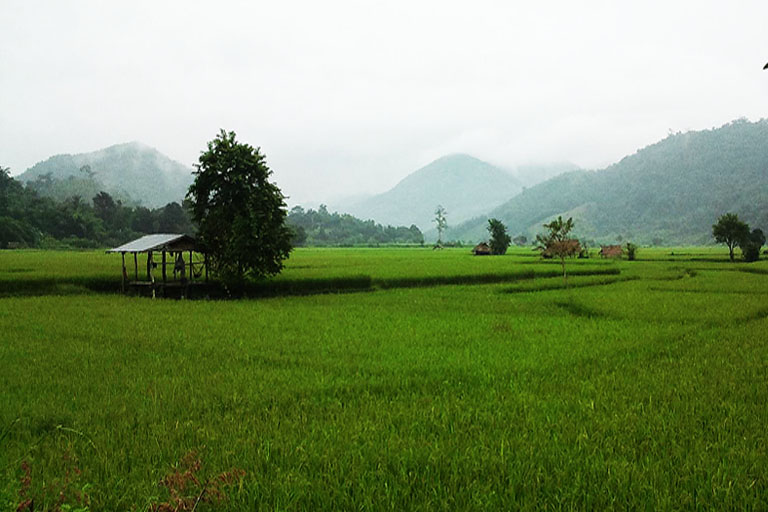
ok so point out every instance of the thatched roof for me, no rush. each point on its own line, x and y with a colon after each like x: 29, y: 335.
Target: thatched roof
x: 569, y: 247
x: 481, y: 249
x: 611, y: 251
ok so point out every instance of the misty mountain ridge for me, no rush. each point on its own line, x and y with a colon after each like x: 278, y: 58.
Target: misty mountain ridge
x: 133, y: 171
x: 533, y: 174
x: 670, y: 192
x: 464, y: 185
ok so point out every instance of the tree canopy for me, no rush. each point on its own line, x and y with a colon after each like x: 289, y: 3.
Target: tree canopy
x: 731, y: 231
x: 441, y: 222
x: 240, y: 214
x: 322, y: 228
x: 499, y: 240
x: 29, y: 219
x: 556, y: 242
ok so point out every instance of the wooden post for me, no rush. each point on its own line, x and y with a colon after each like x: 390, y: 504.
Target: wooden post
x: 164, y: 275
x: 191, y: 268
x: 205, y: 262
x: 150, y: 278
x: 136, y: 266
x: 123, y: 274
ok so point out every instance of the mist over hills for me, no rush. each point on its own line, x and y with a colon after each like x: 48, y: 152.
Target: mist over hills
x: 670, y: 192
x: 131, y: 171
x: 464, y: 185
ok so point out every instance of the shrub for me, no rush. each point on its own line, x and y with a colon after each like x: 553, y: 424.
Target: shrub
x: 631, y: 251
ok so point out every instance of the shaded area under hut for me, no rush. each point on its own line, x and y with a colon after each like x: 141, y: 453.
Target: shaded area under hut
x: 182, y: 264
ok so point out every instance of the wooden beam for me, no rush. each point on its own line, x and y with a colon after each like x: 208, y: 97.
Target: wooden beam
x: 122, y: 274
x: 136, y: 266
x: 164, y: 274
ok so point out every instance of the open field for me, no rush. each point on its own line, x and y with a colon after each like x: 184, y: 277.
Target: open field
x: 437, y: 381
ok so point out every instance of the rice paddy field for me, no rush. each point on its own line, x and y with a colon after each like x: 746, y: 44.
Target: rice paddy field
x: 389, y: 379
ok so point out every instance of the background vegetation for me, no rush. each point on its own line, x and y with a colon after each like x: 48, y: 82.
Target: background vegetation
x: 668, y: 193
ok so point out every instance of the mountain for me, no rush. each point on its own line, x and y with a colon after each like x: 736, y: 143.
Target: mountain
x: 530, y: 175
x: 130, y: 171
x: 670, y: 192
x: 464, y: 185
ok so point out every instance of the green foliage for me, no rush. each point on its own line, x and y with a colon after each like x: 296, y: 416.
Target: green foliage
x: 520, y: 240
x: 667, y: 191
x: 240, y: 214
x: 553, y: 241
x: 731, y: 231
x: 30, y: 219
x: 16, y: 234
x: 631, y: 251
x: 132, y: 172
x: 499, y: 239
x: 556, y: 242
x: 441, y: 222
x: 83, y: 185
x: 751, y: 245
x: 322, y: 228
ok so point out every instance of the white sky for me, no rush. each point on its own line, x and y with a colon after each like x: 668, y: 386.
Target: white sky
x: 350, y: 96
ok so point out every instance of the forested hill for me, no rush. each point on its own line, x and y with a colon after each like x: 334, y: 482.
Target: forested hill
x: 670, y: 192
x: 464, y: 185
x: 131, y: 171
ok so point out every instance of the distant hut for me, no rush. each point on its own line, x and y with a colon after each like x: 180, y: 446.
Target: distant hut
x: 568, y: 247
x: 176, y: 251
x: 481, y: 249
x: 611, y: 251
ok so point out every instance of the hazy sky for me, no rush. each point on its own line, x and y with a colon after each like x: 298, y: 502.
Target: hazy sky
x: 350, y: 96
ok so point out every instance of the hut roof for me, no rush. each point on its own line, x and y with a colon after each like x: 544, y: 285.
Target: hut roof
x: 611, y: 251
x: 158, y: 242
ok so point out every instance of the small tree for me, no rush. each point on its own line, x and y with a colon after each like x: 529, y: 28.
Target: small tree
x: 729, y: 230
x: 239, y: 213
x: 631, y: 251
x: 500, y: 240
x: 556, y: 242
x: 520, y: 240
x: 751, y: 245
x: 441, y: 223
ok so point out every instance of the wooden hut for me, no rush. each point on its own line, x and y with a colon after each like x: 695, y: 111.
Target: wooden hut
x: 569, y: 247
x: 481, y: 249
x: 177, y: 254
x: 611, y: 251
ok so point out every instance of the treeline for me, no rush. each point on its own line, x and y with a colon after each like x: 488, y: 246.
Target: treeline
x: 29, y: 219
x: 322, y: 228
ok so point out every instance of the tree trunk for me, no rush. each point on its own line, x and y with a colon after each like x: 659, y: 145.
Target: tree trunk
x: 565, y: 276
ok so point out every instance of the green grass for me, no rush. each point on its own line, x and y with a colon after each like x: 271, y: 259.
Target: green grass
x: 641, y: 385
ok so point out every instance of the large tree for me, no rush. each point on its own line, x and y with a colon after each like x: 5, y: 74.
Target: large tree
x: 240, y: 214
x: 730, y: 231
